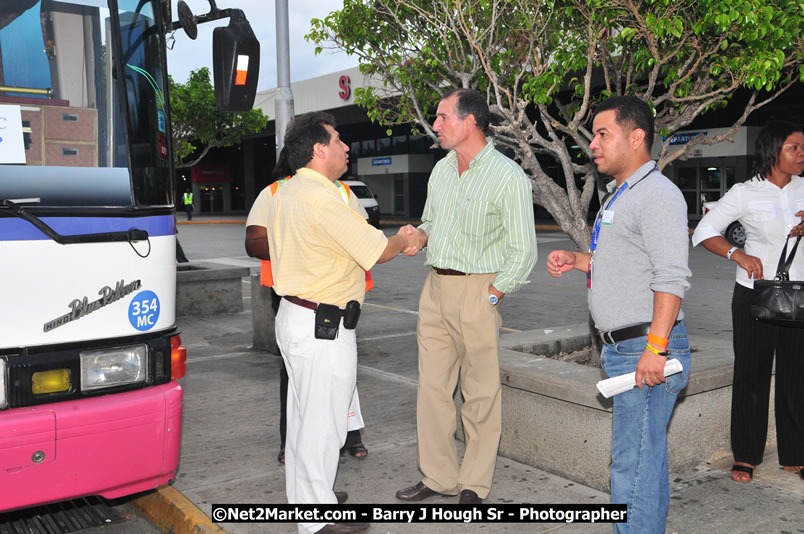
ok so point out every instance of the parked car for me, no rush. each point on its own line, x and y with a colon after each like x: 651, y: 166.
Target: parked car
x: 367, y: 199
x: 735, y: 233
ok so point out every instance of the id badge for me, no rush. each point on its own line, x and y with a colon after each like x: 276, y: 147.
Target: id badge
x: 607, y: 218
x: 589, y: 276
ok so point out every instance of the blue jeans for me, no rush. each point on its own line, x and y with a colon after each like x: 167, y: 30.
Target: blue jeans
x: 639, y: 473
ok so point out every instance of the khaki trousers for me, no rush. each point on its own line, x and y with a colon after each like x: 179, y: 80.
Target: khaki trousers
x: 458, y: 332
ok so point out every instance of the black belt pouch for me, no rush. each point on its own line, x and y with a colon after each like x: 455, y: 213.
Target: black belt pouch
x: 327, y: 321
x: 351, y: 314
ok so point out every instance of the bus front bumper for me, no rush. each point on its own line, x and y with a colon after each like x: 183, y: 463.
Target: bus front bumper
x: 113, y: 445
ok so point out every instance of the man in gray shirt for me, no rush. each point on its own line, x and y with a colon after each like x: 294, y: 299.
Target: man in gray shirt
x: 637, y: 274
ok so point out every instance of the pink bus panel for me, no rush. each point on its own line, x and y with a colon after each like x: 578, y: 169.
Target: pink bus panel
x: 112, y: 446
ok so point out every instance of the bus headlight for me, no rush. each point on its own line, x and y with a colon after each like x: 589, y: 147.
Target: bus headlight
x: 3, y: 392
x: 114, y: 367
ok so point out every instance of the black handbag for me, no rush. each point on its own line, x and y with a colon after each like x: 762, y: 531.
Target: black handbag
x: 780, y: 301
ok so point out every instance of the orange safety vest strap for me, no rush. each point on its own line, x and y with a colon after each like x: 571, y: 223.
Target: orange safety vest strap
x: 274, y: 187
x: 344, y: 190
x: 369, y: 281
x: 266, y: 276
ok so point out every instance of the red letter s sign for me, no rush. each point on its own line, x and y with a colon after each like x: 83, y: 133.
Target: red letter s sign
x: 346, y: 90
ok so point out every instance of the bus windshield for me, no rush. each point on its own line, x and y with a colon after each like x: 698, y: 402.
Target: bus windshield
x: 75, y: 131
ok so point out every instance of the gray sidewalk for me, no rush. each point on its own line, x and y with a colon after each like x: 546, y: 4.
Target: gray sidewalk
x: 231, y: 438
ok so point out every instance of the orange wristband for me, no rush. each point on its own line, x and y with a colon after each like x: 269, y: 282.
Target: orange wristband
x: 657, y: 341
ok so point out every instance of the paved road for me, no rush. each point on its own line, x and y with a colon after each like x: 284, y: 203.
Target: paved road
x: 545, y: 302
x: 223, y: 460
x: 230, y: 434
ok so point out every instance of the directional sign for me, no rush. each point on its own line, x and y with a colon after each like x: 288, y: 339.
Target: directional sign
x: 12, y: 145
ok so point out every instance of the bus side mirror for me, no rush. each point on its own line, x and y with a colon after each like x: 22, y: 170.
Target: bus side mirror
x: 235, y: 64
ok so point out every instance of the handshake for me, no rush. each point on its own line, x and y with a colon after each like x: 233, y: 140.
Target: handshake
x: 413, y: 239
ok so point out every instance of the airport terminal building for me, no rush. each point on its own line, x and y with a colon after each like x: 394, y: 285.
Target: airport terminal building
x: 396, y: 167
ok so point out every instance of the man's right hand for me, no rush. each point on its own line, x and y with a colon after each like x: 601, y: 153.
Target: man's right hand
x: 751, y: 264
x: 406, y: 241
x: 560, y: 262
x: 415, y: 237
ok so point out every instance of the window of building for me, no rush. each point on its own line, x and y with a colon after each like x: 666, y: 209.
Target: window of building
x: 399, y: 194
x: 731, y: 173
x: 384, y: 146
x: 420, y: 144
x: 399, y: 144
x: 368, y: 147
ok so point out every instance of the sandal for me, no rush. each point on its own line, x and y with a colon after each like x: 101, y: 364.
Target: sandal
x: 281, y: 456
x: 358, y: 450
x: 739, y: 468
x: 795, y: 469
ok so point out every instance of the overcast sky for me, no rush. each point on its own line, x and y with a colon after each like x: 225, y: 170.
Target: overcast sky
x: 189, y: 55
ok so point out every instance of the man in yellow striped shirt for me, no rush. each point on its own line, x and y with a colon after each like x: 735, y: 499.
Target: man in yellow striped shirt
x: 481, y: 243
x: 320, y: 249
x: 257, y: 247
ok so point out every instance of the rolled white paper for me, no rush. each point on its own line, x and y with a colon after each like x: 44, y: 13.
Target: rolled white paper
x: 620, y: 384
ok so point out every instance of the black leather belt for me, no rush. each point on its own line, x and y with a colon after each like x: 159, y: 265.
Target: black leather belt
x: 629, y: 332
x: 449, y: 272
x: 304, y: 303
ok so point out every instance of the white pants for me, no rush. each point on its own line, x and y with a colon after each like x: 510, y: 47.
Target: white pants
x: 355, y: 421
x: 321, y: 389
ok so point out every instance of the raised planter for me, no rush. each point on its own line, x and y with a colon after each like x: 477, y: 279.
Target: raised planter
x: 206, y: 287
x: 555, y: 419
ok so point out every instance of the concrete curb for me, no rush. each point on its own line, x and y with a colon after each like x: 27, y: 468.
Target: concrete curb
x: 174, y: 513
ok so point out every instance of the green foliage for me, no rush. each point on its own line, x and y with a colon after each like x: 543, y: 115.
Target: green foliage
x: 545, y: 63
x: 198, y: 125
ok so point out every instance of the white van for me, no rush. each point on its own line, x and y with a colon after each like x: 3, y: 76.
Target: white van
x: 367, y: 199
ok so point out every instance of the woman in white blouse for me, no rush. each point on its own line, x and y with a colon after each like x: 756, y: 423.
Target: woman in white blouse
x: 770, y: 206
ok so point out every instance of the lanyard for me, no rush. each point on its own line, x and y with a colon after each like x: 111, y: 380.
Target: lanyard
x: 598, y: 219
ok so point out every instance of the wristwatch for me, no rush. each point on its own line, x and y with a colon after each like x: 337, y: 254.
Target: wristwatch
x: 493, y: 299
x: 730, y: 252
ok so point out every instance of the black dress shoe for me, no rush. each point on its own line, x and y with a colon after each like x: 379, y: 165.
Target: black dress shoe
x: 344, y: 528
x: 342, y: 496
x: 419, y: 492
x: 469, y: 497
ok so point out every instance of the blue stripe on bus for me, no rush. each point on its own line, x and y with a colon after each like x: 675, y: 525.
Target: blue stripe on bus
x: 14, y: 229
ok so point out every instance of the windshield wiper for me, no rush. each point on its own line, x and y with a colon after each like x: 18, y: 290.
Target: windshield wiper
x: 13, y: 206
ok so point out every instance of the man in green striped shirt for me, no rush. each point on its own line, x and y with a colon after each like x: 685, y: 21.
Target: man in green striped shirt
x: 481, y: 243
